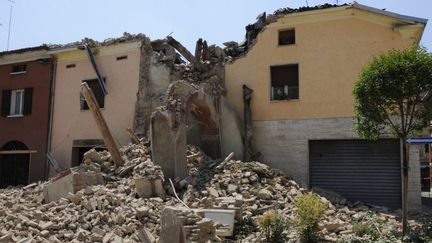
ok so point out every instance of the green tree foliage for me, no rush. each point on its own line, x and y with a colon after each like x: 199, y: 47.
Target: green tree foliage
x: 394, y: 92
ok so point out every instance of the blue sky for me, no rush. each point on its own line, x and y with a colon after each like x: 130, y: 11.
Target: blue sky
x: 61, y: 21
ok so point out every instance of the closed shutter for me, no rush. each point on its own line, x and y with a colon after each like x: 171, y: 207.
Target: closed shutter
x: 5, y: 105
x: 367, y: 171
x: 28, y: 100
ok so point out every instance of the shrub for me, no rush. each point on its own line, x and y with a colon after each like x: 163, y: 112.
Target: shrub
x: 421, y: 234
x: 246, y: 227
x: 372, y: 228
x: 310, y: 210
x: 366, y: 229
x: 274, y: 226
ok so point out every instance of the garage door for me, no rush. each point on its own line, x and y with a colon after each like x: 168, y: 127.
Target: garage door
x: 367, y: 171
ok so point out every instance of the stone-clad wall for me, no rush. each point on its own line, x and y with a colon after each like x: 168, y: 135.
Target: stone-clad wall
x: 284, y: 145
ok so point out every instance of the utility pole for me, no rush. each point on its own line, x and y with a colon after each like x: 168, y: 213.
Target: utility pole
x: 101, y: 124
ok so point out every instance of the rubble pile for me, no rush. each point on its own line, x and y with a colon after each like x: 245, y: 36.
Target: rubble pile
x: 103, y: 213
x: 252, y: 188
x: 115, y: 213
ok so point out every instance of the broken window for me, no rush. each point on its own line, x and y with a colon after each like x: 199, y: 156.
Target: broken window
x: 287, y: 37
x: 97, y: 91
x: 284, y: 82
x: 16, y: 102
x: 17, y: 69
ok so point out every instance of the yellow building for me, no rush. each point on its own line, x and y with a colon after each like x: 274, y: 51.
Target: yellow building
x: 302, y: 67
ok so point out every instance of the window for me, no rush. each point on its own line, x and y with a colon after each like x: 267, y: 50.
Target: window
x: 17, y: 69
x: 284, y: 82
x: 287, y: 37
x: 121, y: 58
x: 97, y: 91
x: 73, y: 65
x: 17, y: 100
x: 16, y: 103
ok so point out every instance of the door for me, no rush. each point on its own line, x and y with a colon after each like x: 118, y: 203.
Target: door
x: 359, y: 170
x: 14, y: 167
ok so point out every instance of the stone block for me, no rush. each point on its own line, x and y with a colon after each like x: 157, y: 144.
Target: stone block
x: 221, y: 216
x: 146, y: 188
x: 168, y: 143
x: 70, y: 181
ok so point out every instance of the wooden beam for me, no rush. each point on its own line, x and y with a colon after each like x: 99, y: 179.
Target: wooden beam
x: 184, y: 52
x: 133, y: 136
x: 101, y: 124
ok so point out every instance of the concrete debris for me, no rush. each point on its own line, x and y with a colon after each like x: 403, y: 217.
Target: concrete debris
x: 218, y: 198
x: 184, y: 225
x: 127, y: 37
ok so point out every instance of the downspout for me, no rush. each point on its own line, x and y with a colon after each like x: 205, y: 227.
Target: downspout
x: 93, y: 63
x: 50, y: 113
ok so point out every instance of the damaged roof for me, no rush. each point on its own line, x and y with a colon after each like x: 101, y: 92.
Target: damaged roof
x: 23, y: 50
x: 127, y: 37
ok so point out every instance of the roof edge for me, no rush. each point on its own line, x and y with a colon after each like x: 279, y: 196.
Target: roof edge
x: 388, y: 13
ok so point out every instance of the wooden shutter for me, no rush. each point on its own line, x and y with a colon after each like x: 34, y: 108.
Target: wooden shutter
x: 5, y: 105
x: 28, y: 100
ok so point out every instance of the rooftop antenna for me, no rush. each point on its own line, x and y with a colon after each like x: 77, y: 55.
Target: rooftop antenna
x: 10, y: 21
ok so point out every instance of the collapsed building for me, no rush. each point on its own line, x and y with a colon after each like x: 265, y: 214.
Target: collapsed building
x: 283, y: 96
x: 152, y: 70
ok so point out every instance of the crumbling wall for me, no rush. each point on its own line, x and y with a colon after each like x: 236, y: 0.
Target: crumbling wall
x: 143, y: 107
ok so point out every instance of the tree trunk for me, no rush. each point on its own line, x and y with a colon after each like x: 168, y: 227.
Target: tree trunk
x: 405, y: 159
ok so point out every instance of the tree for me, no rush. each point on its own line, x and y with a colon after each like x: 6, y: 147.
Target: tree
x: 393, y: 96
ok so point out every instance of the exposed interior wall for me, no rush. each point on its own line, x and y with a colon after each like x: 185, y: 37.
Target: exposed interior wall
x: 330, y: 49
x: 69, y: 122
x: 231, y: 130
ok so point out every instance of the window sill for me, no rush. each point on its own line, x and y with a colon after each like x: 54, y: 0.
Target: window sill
x: 101, y: 109
x: 279, y: 45
x: 16, y: 73
x: 282, y: 101
x: 15, y: 116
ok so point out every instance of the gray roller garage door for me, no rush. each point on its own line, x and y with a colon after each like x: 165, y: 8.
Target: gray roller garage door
x: 359, y: 170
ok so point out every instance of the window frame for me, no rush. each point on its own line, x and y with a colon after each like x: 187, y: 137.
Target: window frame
x: 13, y: 103
x: 83, y: 102
x: 286, y: 30
x: 271, y: 99
x: 18, y: 72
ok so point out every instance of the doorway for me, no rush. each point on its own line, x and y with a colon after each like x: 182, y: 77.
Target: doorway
x: 14, y: 164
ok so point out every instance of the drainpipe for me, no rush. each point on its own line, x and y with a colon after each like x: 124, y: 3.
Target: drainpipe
x: 50, y: 113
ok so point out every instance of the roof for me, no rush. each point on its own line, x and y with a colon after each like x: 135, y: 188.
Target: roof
x: 388, y: 13
x: 286, y: 11
x: 22, y: 50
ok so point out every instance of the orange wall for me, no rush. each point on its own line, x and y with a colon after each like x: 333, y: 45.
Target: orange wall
x: 330, y: 54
